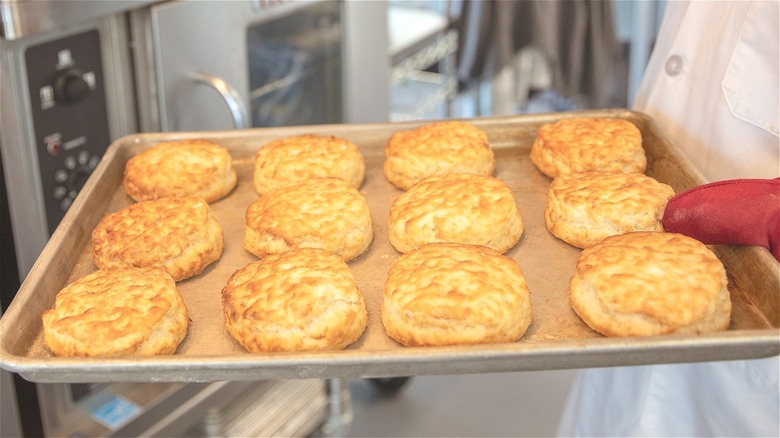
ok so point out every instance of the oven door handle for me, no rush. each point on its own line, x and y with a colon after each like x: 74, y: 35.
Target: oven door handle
x: 229, y: 95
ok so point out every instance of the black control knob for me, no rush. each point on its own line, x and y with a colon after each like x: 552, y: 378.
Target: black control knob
x: 70, y: 86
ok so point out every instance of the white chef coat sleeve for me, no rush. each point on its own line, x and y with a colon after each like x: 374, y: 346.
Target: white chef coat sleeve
x: 711, y: 86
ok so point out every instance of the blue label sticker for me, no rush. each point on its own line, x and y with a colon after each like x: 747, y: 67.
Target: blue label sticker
x: 114, y: 412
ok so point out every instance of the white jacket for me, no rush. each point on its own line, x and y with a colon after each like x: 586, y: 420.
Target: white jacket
x: 712, y: 87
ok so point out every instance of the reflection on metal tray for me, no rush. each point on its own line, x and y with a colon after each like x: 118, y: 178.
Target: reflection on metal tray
x: 557, y: 338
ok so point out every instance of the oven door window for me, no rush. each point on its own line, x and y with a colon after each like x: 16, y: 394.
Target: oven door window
x: 223, y: 65
x: 295, y: 68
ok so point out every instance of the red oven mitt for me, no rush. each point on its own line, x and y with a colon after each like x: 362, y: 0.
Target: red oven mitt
x: 734, y: 212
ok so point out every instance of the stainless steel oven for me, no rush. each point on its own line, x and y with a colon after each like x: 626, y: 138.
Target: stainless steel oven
x: 76, y: 75
x: 241, y: 64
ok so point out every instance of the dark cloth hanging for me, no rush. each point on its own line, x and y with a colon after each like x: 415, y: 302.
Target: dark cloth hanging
x: 577, y: 37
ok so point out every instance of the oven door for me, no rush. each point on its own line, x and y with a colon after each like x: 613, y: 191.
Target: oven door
x: 56, y: 124
x: 206, y: 65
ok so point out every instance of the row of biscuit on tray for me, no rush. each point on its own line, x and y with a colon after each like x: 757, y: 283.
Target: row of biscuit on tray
x: 451, y: 285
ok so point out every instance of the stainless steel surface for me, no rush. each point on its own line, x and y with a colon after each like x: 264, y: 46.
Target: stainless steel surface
x: 283, y: 408
x: 172, y: 46
x: 45, y: 45
x: 41, y: 41
x: 243, y: 409
x: 19, y: 138
x: 367, y: 64
x: 23, y: 18
x: 521, y: 404
x: 10, y: 424
x: 328, y: 71
x: 340, y: 412
x: 557, y: 338
x: 239, y: 408
x: 229, y: 95
x: 85, y: 417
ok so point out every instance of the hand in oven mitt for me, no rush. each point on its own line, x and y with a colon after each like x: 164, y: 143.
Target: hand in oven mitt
x: 735, y: 212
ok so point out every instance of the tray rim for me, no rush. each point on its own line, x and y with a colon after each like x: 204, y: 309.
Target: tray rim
x: 596, y: 352
x: 354, y: 363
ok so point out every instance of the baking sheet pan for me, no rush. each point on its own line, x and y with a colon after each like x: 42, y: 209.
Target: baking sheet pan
x: 556, y: 339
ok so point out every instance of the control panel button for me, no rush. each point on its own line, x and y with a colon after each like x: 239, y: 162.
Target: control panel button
x: 78, y: 178
x: 60, y: 192
x: 70, y: 179
x: 66, y: 203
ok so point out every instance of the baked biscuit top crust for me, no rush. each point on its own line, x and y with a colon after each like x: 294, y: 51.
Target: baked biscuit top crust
x: 460, y: 208
x: 178, y: 235
x: 584, y: 208
x: 438, y: 148
x: 117, y: 312
x: 583, y: 144
x: 450, y: 293
x: 197, y: 167
x: 302, y: 299
x: 647, y: 283
x: 324, y: 213
x: 292, y: 159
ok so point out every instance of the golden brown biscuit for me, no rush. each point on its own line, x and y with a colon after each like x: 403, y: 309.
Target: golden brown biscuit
x: 584, y: 208
x: 296, y: 158
x: 199, y: 168
x: 583, y: 144
x: 303, y: 299
x: 116, y: 312
x: 324, y: 213
x: 178, y: 235
x: 453, y: 294
x: 460, y: 208
x: 437, y: 148
x: 650, y: 283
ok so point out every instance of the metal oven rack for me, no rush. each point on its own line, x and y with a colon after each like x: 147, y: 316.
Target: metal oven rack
x: 419, y: 40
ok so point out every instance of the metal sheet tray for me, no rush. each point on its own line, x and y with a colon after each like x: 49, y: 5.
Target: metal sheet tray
x: 556, y: 339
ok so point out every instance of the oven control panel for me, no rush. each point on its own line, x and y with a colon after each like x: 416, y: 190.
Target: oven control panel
x: 70, y: 119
